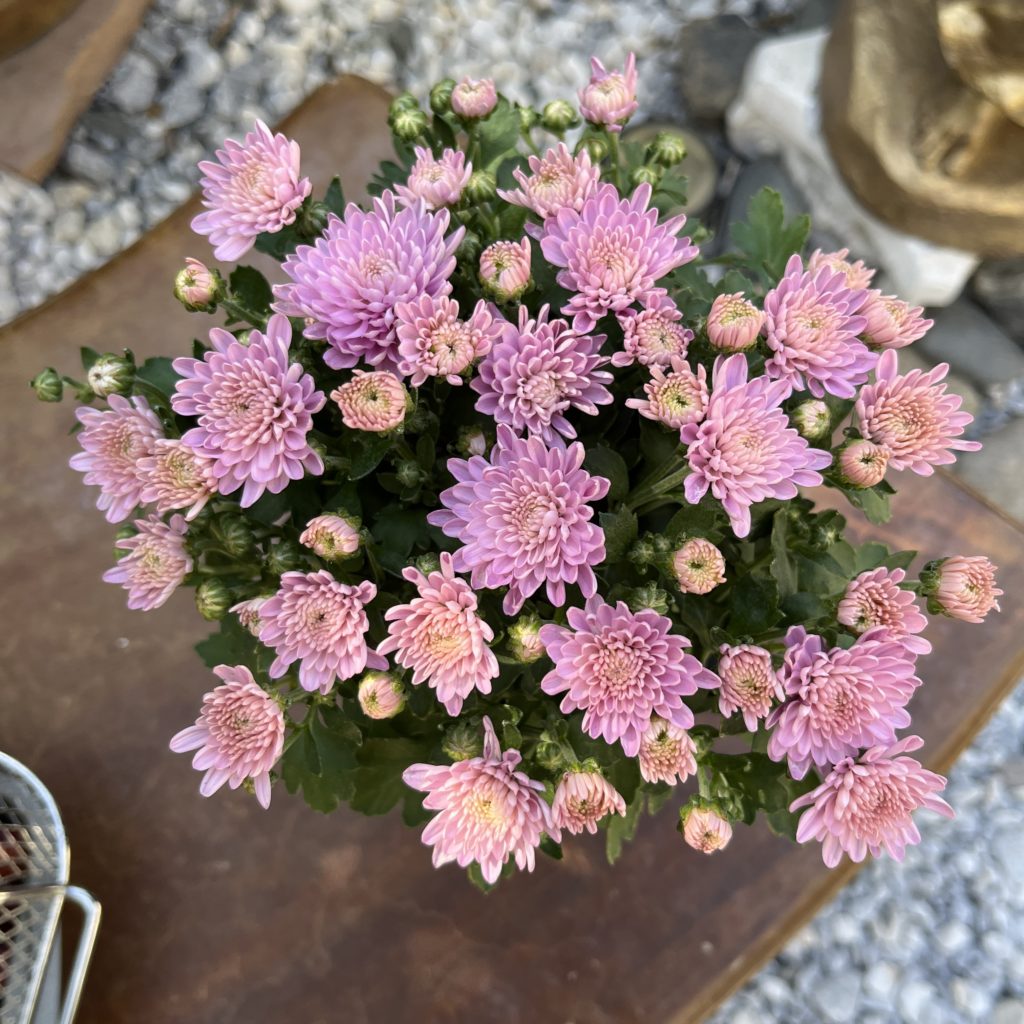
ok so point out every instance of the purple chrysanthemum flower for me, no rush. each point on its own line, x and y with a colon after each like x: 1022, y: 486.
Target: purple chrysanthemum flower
x: 350, y: 281
x: 113, y: 441
x: 875, y: 598
x: 653, y: 337
x: 838, y: 701
x: 255, y: 408
x: 622, y: 669
x: 438, y: 181
x: 811, y: 325
x: 175, y: 476
x: 744, y: 449
x: 609, y: 98
x: 675, y: 394
x: 156, y: 562
x: 613, y: 252
x: 524, y: 519
x: 557, y: 181
x: 749, y: 683
x: 254, y: 187
x: 539, y: 370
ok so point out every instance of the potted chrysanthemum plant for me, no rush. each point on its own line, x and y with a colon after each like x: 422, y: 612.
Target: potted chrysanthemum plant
x: 495, y: 491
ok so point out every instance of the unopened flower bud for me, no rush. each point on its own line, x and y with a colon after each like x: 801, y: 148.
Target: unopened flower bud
x: 648, y: 596
x: 463, y: 741
x: 474, y: 98
x: 646, y: 174
x: 285, y: 556
x: 704, y: 828
x: 524, y: 639
x: 662, y: 544
x: 409, y: 473
x: 609, y: 99
x: 198, y: 288
x: 472, y: 441
x: 331, y: 536
x: 110, y: 375
x: 427, y: 563
x: 667, y: 149
x: 407, y: 123
x: 962, y: 587
x: 812, y: 419
x: 550, y: 756
x: 559, y: 116
x: 236, y: 535
x: 482, y: 186
x: 527, y: 118
x: 441, y: 96
x: 596, y: 148
x: 403, y: 101
x: 643, y: 553
x: 48, y: 386
x: 698, y: 566
x: 248, y: 613
x: 381, y: 695
x: 863, y: 463
x: 734, y: 323
x: 213, y: 598
x: 505, y: 269
x: 469, y: 248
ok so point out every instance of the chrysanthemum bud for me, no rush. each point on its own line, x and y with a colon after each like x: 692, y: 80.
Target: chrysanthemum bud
x: 698, y: 566
x: 812, y: 419
x: 474, y: 98
x: 441, y: 96
x: 643, y: 553
x: 331, y: 536
x: 198, y: 288
x: 582, y: 799
x: 248, y: 613
x: 667, y: 149
x: 648, y: 596
x: 550, y: 756
x: 213, y: 598
x: 704, y: 828
x: 734, y: 323
x: 662, y: 544
x: 409, y: 473
x: 524, y: 639
x: 505, y: 269
x: 463, y: 741
x: 427, y: 563
x: 527, y: 118
x: 469, y: 248
x: 48, y: 385
x: 482, y: 186
x: 236, y: 535
x: 596, y: 147
x: 609, y: 98
x: 375, y: 401
x: 559, y: 116
x: 646, y: 174
x: 407, y: 123
x: 110, y: 375
x: 862, y: 463
x: 962, y: 587
x: 285, y: 556
x: 381, y: 695
x: 403, y: 101
x: 471, y: 441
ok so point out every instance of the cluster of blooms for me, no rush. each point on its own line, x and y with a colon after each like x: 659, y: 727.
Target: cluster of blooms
x: 383, y: 314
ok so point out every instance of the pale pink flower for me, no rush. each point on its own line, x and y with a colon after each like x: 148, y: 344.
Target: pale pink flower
x: 253, y: 188
x: 113, y: 442
x: 674, y: 398
x: 667, y: 753
x: 612, y: 253
x: 488, y: 810
x: 811, y: 326
x: 376, y: 401
x: 744, y: 449
x: 891, y: 322
x: 156, y: 562
x: 320, y: 623
x: 381, y: 695
x: 749, y: 683
x: 838, y: 701
x: 734, y: 323
x: 699, y: 566
x: 524, y: 640
x: 440, y: 636
x: 875, y: 598
x: 255, y: 409
x: 175, y: 476
x: 582, y: 799
x: 330, y: 536
x: 865, y: 805
x: 238, y: 735
x: 858, y: 276
x: 434, y: 342
x: 438, y: 181
x: 964, y: 587
x: 705, y: 829
x: 196, y: 287
x: 863, y: 463
x: 912, y: 415
x: 813, y: 419
x: 505, y: 269
x: 557, y: 181
x: 609, y: 98
x: 248, y: 613
x: 474, y: 97
x: 652, y: 337
x: 621, y: 668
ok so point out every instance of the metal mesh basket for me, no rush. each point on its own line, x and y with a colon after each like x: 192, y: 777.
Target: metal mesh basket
x: 33, y: 888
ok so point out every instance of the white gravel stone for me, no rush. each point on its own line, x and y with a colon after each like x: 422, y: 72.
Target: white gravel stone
x: 880, y: 981
x: 953, y: 937
x: 837, y: 997
x: 1009, y: 1011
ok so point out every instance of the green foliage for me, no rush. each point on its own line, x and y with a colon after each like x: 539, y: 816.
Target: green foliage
x: 602, y: 461
x: 251, y: 290
x: 620, y: 530
x: 765, y: 237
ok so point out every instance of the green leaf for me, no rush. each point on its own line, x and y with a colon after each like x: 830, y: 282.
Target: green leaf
x: 232, y: 644
x: 159, y: 372
x: 900, y: 560
x: 278, y: 244
x: 803, y: 607
x: 334, y: 198
x: 498, y: 133
x: 476, y: 876
x: 251, y: 289
x: 620, y: 530
x: 602, y: 461
x: 622, y: 827
x: 705, y: 520
x: 378, y: 779
x: 89, y: 357
x: 820, y: 575
x: 872, y: 501
x: 782, y: 567
x: 766, y: 237
x: 367, y: 453
x: 397, y: 530
x: 755, y: 606
x: 870, y: 556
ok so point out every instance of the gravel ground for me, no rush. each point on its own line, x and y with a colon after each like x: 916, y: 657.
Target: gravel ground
x: 938, y: 940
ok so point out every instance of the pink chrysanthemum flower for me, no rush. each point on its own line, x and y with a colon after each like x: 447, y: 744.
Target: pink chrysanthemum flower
x: 434, y: 342
x: 197, y: 287
x: 255, y: 408
x: 376, y: 401
x: 438, y: 181
x: 613, y: 252
x: 667, y: 753
x: 912, y: 415
x: 381, y: 695
x: 858, y: 276
x: 652, y: 337
x: 964, y: 587
x: 865, y: 805
x: 248, y: 613
x: 524, y: 519
x: 156, y: 562
x: 113, y: 442
x: 557, y: 181
x: 839, y: 701
x: 609, y: 98
x: 349, y: 283
x: 675, y: 396
x: 174, y: 476
x: 621, y: 668
x: 238, y: 735
x: 749, y: 683
x: 863, y: 463
x: 539, y: 370
x: 811, y: 327
x: 582, y: 799
x: 505, y: 269
x: 254, y: 187
x: 891, y: 322
x: 488, y: 810
x: 734, y: 323
x: 440, y: 636
x: 698, y: 566
x: 473, y: 98
x: 320, y: 623
x: 875, y: 598
x: 744, y: 449
x: 330, y: 536
x: 706, y: 830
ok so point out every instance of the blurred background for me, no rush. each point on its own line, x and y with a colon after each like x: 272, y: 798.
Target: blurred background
x: 156, y: 86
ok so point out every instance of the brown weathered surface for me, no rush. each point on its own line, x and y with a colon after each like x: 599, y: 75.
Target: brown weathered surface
x: 219, y: 913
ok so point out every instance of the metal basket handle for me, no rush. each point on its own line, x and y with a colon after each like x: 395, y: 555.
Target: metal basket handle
x: 90, y: 909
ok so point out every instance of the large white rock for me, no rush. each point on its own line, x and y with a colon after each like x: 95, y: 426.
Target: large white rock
x: 777, y: 112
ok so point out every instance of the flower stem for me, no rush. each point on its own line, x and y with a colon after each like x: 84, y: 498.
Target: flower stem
x: 613, y: 153
x: 240, y: 312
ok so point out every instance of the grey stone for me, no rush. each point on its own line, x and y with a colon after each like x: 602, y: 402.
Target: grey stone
x: 132, y: 88
x: 182, y: 103
x: 1008, y: 848
x: 105, y: 234
x: 837, y: 997
x: 203, y: 65
x: 712, y: 55
x: 999, y: 286
x: 997, y: 470
x: 68, y: 225
x: 84, y: 161
x: 1009, y: 1011
x: 953, y: 937
x: 917, y: 1001
x: 975, y: 1002
x: 880, y: 981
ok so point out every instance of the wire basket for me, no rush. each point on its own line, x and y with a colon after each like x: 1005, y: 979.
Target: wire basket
x: 33, y: 888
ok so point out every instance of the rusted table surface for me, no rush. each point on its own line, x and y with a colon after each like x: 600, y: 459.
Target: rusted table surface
x: 217, y: 912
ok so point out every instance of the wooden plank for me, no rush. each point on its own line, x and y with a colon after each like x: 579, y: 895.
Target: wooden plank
x: 217, y: 912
